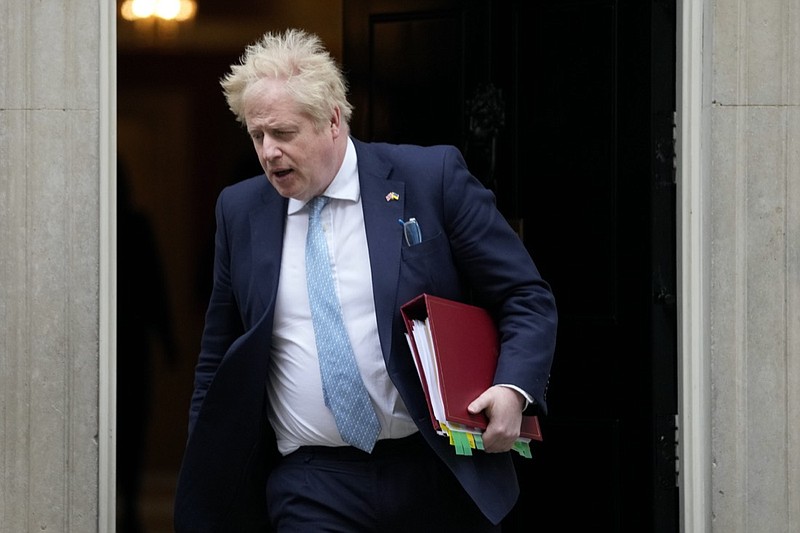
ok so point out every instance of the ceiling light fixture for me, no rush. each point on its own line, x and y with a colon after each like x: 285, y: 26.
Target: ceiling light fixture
x: 177, y: 10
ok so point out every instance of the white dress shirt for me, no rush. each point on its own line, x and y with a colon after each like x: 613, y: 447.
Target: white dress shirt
x: 297, y: 411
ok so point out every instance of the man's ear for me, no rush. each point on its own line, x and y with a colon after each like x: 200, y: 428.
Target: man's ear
x: 336, y: 121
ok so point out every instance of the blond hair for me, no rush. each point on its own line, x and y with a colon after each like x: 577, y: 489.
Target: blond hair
x: 300, y: 60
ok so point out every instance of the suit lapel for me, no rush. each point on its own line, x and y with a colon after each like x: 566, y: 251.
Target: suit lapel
x: 383, y: 202
x: 266, y: 230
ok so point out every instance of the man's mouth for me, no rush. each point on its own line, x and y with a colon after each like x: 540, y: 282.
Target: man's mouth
x: 281, y: 173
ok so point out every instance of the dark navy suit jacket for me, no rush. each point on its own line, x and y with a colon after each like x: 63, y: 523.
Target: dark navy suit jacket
x: 468, y: 253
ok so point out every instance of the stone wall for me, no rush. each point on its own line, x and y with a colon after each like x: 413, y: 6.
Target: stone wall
x: 50, y: 265
x: 754, y: 262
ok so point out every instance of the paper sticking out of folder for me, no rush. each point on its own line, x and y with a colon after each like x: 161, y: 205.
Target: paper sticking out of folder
x: 455, y: 348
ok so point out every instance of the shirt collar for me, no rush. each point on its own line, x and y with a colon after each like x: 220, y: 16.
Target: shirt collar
x: 345, y: 184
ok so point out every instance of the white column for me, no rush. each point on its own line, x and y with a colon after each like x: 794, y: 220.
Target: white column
x: 754, y: 311
x: 56, y: 271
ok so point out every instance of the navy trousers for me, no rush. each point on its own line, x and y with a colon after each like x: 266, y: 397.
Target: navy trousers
x: 401, y: 487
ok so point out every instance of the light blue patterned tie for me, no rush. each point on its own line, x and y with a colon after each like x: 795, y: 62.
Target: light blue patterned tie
x: 342, y: 386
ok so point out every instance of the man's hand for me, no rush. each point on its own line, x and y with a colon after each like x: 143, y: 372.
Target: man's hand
x: 503, y: 407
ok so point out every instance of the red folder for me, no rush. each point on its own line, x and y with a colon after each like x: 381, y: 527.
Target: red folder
x: 466, y: 344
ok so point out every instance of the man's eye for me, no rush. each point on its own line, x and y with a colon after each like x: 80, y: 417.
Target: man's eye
x: 256, y: 135
x: 284, y: 133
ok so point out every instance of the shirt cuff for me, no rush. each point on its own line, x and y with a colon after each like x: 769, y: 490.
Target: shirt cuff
x: 528, y: 398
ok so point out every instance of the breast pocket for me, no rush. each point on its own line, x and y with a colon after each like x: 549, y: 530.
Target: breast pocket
x: 428, y: 266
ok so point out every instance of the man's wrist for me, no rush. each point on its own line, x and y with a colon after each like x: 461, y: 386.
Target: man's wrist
x: 528, y: 399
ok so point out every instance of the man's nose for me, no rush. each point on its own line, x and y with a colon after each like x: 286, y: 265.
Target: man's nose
x: 269, y: 148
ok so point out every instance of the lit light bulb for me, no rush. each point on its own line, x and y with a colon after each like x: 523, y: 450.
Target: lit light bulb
x: 187, y: 10
x: 144, y: 8
x: 167, y: 9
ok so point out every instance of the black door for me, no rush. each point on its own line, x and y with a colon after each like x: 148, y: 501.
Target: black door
x: 564, y: 108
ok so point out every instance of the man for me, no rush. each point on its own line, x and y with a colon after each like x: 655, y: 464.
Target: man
x: 260, y: 382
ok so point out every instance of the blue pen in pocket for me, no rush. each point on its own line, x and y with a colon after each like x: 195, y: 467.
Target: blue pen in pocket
x: 411, y: 231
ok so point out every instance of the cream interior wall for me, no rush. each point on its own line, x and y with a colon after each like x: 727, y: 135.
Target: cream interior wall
x: 51, y: 264
x: 754, y: 264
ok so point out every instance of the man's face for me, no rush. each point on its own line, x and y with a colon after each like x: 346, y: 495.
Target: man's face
x: 299, y: 160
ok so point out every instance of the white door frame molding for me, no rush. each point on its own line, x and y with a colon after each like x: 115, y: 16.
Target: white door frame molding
x: 107, y: 412
x: 694, y: 434
x: 694, y: 366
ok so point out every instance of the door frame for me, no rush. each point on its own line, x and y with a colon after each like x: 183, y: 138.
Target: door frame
x: 694, y: 379
x: 107, y: 298
x: 694, y: 367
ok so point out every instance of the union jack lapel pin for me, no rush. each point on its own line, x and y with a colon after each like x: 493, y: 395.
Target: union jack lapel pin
x: 392, y: 196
